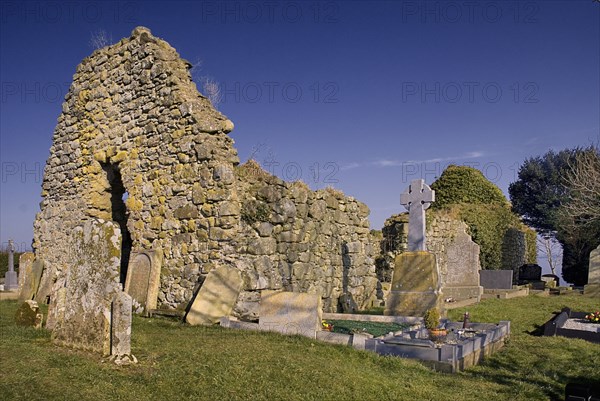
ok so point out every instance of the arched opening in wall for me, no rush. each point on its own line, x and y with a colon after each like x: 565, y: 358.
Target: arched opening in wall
x: 118, y: 195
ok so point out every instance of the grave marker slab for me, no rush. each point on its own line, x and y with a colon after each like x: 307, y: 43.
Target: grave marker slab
x: 496, y: 279
x: 83, y: 316
x: 290, y: 313
x: 461, y: 278
x: 143, y: 279
x: 216, y: 297
x: 26, y: 282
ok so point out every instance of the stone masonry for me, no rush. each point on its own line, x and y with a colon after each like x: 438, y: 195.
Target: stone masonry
x: 138, y: 145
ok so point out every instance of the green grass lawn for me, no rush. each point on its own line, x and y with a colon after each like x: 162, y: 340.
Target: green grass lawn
x: 179, y: 362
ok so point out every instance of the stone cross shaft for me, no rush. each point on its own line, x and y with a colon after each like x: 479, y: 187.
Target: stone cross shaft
x: 416, y: 199
x: 11, y: 256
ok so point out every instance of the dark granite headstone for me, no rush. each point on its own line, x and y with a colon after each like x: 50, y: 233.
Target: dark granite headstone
x: 496, y: 279
x: 530, y: 272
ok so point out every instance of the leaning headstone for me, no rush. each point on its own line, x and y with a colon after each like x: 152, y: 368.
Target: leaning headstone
x: 26, y: 281
x: 461, y: 278
x: 416, y: 280
x: 216, y: 297
x: 592, y: 287
x: 290, y: 313
x: 143, y: 279
x: 11, y: 281
x: 83, y: 316
x: 496, y: 279
x: 28, y: 314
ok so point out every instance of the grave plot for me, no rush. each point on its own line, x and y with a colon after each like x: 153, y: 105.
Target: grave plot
x: 573, y: 325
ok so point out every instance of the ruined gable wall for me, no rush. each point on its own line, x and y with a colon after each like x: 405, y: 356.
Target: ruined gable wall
x: 295, y: 239
x: 133, y: 108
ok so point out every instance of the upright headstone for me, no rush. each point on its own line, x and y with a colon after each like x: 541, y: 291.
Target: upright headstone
x: 592, y: 287
x: 11, y: 281
x: 121, y: 329
x: 290, y: 313
x: 216, y: 297
x: 416, y: 280
x: 143, y: 279
x: 496, y: 279
x: 84, y: 312
x: 461, y: 276
x: 530, y: 273
x: 26, y: 290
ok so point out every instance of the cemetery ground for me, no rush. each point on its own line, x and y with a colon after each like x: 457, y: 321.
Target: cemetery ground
x: 178, y: 361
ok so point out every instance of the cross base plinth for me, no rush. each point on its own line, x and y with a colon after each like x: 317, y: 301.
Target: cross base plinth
x: 415, y: 285
x: 11, y: 281
x: 591, y: 290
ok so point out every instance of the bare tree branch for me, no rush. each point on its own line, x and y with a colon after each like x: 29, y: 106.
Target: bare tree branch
x: 100, y: 39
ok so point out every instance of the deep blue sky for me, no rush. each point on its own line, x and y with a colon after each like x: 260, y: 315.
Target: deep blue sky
x: 368, y: 95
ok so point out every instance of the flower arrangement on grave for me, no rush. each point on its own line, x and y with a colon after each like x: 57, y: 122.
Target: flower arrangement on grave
x: 593, y: 317
x: 326, y: 326
x: 432, y: 323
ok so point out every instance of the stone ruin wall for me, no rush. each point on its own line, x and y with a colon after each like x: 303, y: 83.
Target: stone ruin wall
x: 133, y: 122
x: 295, y: 239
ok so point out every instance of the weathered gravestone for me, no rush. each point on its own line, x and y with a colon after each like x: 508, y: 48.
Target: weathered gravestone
x: 143, y: 279
x: 11, y: 281
x: 290, y: 313
x: 551, y: 280
x: 529, y: 273
x: 91, y: 301
x: 416, y: 280
x: 496, y: 279
x: 28, y: 314
x: 26, y: 279
x: 461, y: 276
x: 216, y: 297
x: 592, y: 287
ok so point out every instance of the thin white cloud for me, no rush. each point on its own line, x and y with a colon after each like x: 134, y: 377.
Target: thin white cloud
x: 396, y: 163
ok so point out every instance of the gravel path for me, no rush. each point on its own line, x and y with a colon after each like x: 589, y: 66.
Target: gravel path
x: 580, y: 324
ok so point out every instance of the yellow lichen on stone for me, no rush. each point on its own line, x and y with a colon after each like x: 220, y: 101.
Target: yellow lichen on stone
x: 138, y: 225
x: 133, y: 204
x: 119, y: 157
x: 100, y: 156
x: 99, y: 201
x: 177, y: 133
x: 156, y: 222
x: 138, y: 179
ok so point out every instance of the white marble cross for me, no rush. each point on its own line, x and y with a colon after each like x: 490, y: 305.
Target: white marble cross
x: 416, y: 199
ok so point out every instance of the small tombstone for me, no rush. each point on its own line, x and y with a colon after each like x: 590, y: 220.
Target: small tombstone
x: 143, y: 279
x: 28, y: 314
x: 530, y: 272
x: 121, y: 330
x: 290, y: 313
x: 216, y: 297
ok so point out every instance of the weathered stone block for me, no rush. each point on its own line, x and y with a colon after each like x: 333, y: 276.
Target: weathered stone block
x: 26, y: 279
x: 28, y: 315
